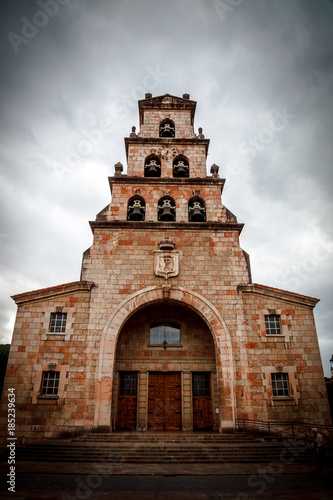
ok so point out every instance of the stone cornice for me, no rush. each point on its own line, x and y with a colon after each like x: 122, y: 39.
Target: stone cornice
x: 166, y: 142
x: 276, y: 293
x: 165, y: 181
x: 167, y: 226
x: 54, y: 291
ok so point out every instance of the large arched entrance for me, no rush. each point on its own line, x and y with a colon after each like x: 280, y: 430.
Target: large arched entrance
x: 110, y: 369
x: 165, y: 371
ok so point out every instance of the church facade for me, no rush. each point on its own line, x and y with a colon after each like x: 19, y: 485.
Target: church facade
x: 165, y: 330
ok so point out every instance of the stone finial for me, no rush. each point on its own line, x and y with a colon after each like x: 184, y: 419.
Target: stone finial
x: 166, y: 244
x: 200, y: 136
x: 186, y: 96
x: 118, y: 168
x: 133, y: 133
x: 148, y: 95
x: 214, y: 170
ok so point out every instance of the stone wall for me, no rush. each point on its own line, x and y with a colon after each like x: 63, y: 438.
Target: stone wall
x: 75, y: 355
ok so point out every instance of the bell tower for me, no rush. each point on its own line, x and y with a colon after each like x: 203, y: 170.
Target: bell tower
x: 166, y: 178
x: 167, y: 238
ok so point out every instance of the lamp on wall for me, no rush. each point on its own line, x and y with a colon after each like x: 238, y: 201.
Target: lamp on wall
x: 331, y: 363
x: 165, y: 345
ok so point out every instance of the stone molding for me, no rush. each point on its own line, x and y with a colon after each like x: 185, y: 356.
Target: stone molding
x: 200, y: 226
x: 166, y: 141
x: 162, y: 181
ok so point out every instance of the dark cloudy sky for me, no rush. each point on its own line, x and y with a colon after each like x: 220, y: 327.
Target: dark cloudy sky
x: 262, y: 74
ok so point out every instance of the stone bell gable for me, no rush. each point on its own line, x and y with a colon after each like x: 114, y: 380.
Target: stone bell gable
x: 165, y: 330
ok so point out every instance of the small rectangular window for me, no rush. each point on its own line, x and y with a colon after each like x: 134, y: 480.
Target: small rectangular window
x: 58, y: 322
x: 167, y: 332
x: 50, y: 383
x: 280, y: 384
x: 272, y: 322
x: 201, y: 385
x: 128, y: 384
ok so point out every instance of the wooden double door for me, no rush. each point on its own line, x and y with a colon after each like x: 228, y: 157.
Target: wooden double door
x: 164, y: 401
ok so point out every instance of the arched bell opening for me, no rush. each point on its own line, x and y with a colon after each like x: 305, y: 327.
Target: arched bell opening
x: 136, y: 209
x: 165, y: 371
x: 166, y: 209
x: 196, y: 210
x: 167, y: 128
x: 152, y: 166
x: 180, y: 167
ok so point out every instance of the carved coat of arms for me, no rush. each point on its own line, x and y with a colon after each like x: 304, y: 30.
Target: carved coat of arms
x: 166, y: 264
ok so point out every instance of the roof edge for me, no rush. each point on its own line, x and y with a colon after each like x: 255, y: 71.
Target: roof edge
x: 278, y: 293
x: 43, y: 293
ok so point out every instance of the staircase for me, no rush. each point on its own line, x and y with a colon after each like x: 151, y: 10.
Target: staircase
x: 161, y: 448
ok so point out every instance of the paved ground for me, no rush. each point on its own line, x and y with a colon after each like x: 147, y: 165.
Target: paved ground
x: 36, y: 481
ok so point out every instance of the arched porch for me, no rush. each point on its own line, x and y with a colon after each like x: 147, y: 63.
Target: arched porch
x: 222, y: 372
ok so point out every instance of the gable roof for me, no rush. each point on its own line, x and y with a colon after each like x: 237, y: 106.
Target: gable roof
x: 278, y: 294
x: 167, y: 101
x: 53, y: 291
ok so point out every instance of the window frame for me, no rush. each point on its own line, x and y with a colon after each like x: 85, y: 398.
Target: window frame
x: 164, y: 323
x: 207, y: 375
x: 63, y: 324
x: 44, y: 387
x: 269, y: 326
x: 283, y: 377
x: 122, y: 380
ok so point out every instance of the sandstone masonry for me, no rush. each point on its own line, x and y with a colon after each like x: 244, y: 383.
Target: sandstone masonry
x: 165, y: 329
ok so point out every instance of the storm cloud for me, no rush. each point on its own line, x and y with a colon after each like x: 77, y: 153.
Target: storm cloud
x: 262, y: 74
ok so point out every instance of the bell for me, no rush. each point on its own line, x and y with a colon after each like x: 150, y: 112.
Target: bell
x: 197, y: 215
x: 136, y: 214
x: 152, y: 169
x: 166, y: 214
x: 167, y: 130
x: 180, y: 171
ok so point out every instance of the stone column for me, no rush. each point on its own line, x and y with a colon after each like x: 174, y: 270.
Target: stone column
x: 142, y: 401
x: 187, y: 412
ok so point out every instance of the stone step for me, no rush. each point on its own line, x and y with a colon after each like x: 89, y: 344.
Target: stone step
x: 151, y: 456
x: 158, y: 460
x: 155, y: 449
x: 146, y: 451
x: 162, y: 437
x: 151, y: 448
